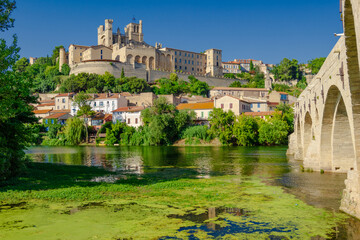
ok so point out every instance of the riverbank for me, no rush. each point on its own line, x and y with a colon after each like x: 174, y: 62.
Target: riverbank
x: 76, y: 202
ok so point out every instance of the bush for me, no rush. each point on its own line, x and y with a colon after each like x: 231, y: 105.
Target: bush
x: 75, y: 131
x: 199, y: 132
x: 273, y: 132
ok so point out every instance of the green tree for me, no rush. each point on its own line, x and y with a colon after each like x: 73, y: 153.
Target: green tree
x: 55, y: 54
x: 197, y: 87
x: 287, y: 70
x: 230, y: 75
x: 75, y: 131
x: 273, y: 132
x: 15, y: 109
x: 21, y: 65
x: 252, y: 68
x: 236, y: 84
x: 65, y: 69
x: 315, y: 65
x: 246, y: 131
x: 221, y: 125
x: 81, y: 100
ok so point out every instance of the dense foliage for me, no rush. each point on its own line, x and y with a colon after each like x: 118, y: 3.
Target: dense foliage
x: 75, y: 131
x: 315, y: 65
x: 236, y: 84
x: 249, y: 131
x: 95, y: 83
x: 287, y: 70
x: 15, y: 98
x: 176, y: 86
x: 44, y: 72
x: 81, y: 100
x: 163, y: 125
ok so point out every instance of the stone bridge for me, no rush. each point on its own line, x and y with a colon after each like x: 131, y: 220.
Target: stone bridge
x: 327, y: 113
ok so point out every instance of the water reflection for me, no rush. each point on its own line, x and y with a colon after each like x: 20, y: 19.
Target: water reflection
x: 269, y: 163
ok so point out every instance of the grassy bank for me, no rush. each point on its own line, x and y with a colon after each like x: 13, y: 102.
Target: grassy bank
x: 60, y: 202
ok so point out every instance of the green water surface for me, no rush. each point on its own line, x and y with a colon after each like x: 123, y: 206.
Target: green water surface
x: 172, y: 193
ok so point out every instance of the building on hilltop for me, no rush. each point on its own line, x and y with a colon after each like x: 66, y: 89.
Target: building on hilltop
x: 128, y: 47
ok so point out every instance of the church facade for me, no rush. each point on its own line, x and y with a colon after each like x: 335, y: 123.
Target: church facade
x: 129, y: 48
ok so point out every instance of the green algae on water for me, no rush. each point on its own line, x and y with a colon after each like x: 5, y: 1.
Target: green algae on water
x: 149, y: 208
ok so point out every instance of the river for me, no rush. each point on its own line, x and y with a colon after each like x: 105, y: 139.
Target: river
x: 270, y: 164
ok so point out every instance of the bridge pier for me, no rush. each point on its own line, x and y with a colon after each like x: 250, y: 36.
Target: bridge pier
x: 350, y: 202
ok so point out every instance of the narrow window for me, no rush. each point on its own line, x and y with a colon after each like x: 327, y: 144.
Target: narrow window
x: 129, y: 121
x: 222, y: 106
x: 231, y: 105
x: 136, y: 120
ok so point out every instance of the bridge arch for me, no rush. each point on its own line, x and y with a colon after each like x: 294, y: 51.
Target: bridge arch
x: 308, y: 132
x: 336, y: 142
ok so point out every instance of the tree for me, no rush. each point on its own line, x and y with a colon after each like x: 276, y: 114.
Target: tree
x: 252, y: 68
x: 15, y: 109
x: 221, y: 124
x: 246, y: 131
x: 65, y: 69
x: 236, y: 84
x: 171, y: 86
x: 315, y: 65
x: 287, y: 70
x: 21, y: 65
x: 55, y: 54
x: 122, y: 73
x: 81, y: 100
x: 273, y: 132
x: 163, y: 123
x: 197, y: 87
x: 75, y: 131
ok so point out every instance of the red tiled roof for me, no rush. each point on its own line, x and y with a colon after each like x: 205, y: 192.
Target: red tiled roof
x: 56, y: 115
x: 126, y: 94
x: 272, y: 103
x: 61, y: 111
x: 130, y: 109
x: 194, y: 106
x: 283, y: 93
x: 64, y: 94
x: 106, y: 95
x: 46, y: 104
x: 42, y: 111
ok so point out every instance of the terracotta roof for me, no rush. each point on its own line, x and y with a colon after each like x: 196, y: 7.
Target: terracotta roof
x: 46, y: 104
x: 272, y: 103
x: 42, y: 111
x: 194, y: 106
x: 239, y: 89
x: 106, y: 95
x: 259, y: 113
x: 108, y: 117
x: 56, y: 115
x: 283, y: 93
x: 126, y: 94
x: 130, y: 109
x: 65, y: 94
x: 61, y: 111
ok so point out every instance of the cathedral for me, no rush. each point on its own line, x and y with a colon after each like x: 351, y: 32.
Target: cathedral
x: 128, y: 47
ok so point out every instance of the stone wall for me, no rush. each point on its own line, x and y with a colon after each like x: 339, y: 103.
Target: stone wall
x: 139, y: 70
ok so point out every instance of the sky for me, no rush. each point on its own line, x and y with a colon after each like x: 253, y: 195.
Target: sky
x: 267, y: 30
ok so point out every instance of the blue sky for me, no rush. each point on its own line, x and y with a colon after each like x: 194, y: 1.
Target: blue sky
x: 268, y: 30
